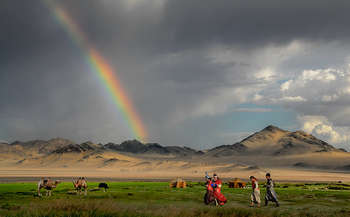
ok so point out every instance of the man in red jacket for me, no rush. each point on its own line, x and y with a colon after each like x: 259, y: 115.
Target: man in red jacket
x: 217, y: 184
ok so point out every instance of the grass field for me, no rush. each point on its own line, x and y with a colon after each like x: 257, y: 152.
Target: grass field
x: 157, y: 199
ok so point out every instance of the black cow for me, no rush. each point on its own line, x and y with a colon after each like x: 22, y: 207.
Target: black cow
x: 103, y: 185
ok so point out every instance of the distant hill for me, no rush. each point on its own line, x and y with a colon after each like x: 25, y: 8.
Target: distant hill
x: 33, y: 148
x: 275, y: 141
x: 40, y: 146
x: 62, y: 146
x: 78, y: 148
x: 136, y: 147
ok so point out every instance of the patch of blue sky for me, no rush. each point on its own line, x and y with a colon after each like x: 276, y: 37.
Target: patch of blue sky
x: 251, y: 117
x: 234, y: 125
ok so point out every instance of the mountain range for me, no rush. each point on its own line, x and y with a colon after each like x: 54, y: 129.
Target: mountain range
x: 271, y: 147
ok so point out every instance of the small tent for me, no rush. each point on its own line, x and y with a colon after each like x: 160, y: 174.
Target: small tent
x: 178, y: 183
x: 237, y: 183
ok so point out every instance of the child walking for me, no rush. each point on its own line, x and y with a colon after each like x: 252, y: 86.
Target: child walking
x: 255, y: 196
x: 270, y: 191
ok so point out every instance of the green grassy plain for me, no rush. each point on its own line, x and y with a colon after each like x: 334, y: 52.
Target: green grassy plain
x: 157, y: 199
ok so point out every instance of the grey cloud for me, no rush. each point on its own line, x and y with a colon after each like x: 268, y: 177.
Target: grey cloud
x: 164, y: 57
x: 182, y: 25
x: 254, y: 23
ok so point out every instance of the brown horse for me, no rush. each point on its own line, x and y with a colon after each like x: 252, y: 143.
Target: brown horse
x: 48, y: 185
x: 80, y: 184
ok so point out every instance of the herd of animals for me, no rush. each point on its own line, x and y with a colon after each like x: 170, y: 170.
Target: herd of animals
x: 80, y: 185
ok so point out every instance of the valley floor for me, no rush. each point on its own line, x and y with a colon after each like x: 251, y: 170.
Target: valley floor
x: 157, y: 199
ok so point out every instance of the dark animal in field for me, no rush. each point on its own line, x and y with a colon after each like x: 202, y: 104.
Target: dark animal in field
x: 104, y: 186
x: 48, y: 185
x: 80, y: 185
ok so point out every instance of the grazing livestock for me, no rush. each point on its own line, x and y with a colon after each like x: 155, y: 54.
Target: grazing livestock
x: 48, y: 185
x: 103, y: 185
x: 80, y: 184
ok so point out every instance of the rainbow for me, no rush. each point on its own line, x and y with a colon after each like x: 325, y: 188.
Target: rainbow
x: 104, y: 71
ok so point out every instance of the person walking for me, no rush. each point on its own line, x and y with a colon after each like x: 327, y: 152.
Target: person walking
x: 270, y: 191
x: 255, y: 195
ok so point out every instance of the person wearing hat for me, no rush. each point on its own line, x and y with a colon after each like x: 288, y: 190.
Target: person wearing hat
x: 255, y: 195
x: 270, y: 191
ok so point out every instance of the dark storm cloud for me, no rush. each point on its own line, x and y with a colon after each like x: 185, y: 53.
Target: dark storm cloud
x: 180, y: 25
x: 183, y: 24
x: 191, y: 24
x: 25, y: 30
x: 255, y: 22
x: 161, y: 50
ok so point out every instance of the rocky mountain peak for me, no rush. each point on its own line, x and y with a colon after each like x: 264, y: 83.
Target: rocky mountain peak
x: 273, y: 128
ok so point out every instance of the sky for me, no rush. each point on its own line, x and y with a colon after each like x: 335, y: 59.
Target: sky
x: 199, y: 73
